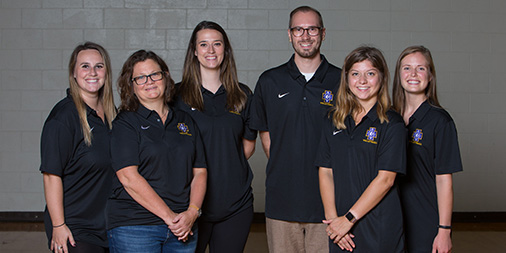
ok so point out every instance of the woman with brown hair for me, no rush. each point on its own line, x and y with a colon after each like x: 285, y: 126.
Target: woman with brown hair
x: 432, y: 154
x: 219, y: 104
x: 75, y: 159
x: 159, y: 161
x: 361, y: 152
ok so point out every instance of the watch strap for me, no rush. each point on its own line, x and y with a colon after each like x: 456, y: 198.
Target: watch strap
x: 351, y: 218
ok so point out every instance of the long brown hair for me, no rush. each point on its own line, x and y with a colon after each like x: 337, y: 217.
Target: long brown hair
x: 430, y: 91
x: 129, y: 101
x: 190, y: 89
x: 346, y: 102
x: 105, y: 93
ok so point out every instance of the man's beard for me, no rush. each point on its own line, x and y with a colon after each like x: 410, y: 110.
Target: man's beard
x: 307, y: 53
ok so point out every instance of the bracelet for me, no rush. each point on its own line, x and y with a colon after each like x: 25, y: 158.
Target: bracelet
x: 194, y: 206
x: 199, y: 211
x: 59, y: 225
x: 444, y: 227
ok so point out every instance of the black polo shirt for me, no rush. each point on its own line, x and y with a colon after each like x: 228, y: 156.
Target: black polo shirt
x: 356, y: 154
x: 85, y: 170
x: 433, y: 149
x: 293, y: 110
x: 228, y: 172
x: 165, y: 155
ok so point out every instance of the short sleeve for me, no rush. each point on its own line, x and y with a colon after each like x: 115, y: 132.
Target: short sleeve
x: 447, y: 152
x: 55, y: 147
x: 323, y: 157
x: 392, y: 148
x: 124, y: 144
x: 200, y: 157
x: 258, y: 116
x: 249, y: 134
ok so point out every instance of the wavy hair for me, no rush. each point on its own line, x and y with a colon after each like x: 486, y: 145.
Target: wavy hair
x: 105, y: 93
x: 399, y: 97
x: 346, y: 102
x: 129, y: 101
x: 190, y: 88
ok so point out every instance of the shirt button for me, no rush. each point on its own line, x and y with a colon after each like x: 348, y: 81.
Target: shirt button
x: 158, y: 120
x: 305, y: 98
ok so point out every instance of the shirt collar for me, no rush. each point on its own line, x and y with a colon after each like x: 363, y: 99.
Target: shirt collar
x: 373, y: 113
x: 421, y: 111
x: 143, y: 111
x: 206, y: 91
x: 319, y: 75
x: 89, y: 111
x: 146, y: 113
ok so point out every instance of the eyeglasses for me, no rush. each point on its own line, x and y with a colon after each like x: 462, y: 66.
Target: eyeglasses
x: 140, y: 80
x: 311, y: 31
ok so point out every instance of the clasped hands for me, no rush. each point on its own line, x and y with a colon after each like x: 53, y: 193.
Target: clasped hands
x: 182, y: 224
x: 338, y: 231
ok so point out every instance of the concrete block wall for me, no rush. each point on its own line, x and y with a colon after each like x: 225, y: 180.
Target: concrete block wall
x: 467, y: 38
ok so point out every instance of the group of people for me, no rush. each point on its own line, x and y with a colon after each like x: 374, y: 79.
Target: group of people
x: 348, y: 169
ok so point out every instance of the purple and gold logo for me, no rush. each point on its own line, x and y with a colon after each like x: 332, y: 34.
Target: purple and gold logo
x: 327, y: 98
x: 417, y: 136
x: 183, y: 129
x: 370, y: 135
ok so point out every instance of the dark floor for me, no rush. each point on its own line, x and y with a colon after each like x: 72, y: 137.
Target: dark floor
x: 29, y: 237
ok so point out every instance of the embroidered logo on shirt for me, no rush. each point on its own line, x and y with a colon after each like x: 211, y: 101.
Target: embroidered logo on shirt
x: 282, y: 95
x: 370, y: 135
x: 145, y: 127
x: 327, y: 98
x: 234, y: 112
x: 183, y: 129
x: 417, y: 137
x: 336, y: 132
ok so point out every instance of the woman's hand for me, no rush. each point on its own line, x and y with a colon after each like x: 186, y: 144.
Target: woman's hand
x: 183, y: 223
x: 346, y: 243
x: 53, y: 192
x: 338, y: 228
x: 442, y: 242
x: 60, y: 237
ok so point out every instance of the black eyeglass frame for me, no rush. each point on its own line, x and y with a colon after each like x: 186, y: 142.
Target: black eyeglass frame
x: 306, y: 30
x: 134, y: 79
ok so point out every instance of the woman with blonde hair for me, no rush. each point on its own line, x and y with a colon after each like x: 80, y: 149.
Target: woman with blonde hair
x: 432, y: 153
x: 361, y: 151
x: 75, y: 159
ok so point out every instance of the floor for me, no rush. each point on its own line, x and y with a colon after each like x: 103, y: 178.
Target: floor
x: 467, y: 237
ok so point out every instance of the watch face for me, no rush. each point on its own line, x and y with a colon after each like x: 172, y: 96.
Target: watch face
x: 350, y: 217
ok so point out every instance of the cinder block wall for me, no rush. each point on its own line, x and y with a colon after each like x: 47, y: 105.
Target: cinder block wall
x: 467, y: 38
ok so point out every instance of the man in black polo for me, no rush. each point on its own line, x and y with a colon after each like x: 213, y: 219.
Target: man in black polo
x: 288, y: 108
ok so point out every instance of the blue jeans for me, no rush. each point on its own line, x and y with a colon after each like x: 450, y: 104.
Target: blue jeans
x: 149, y: 238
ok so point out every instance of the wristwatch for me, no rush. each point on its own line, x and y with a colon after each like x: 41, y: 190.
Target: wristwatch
x: 350, y: 217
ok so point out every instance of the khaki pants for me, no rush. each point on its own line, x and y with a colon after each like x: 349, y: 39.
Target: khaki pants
x: 293, y: 237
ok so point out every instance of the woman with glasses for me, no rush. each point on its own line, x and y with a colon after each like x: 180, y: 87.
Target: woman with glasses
x: 159, y: 161
x: 361, y: 151
x: 433, y: 153
x: 219, y: 104
x: 75, y: 159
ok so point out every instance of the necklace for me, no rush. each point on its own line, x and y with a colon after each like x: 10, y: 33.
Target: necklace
x: 164, y: 115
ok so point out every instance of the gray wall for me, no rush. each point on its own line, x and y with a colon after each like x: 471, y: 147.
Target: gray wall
x: 467, y: 38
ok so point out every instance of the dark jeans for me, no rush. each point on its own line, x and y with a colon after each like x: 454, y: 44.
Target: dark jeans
x: 153, y: 238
